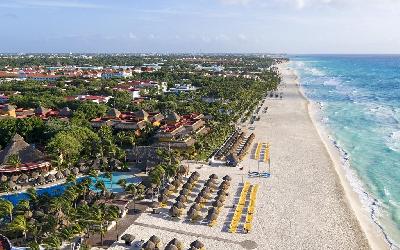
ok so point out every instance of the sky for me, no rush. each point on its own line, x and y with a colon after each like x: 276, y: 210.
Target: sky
x: 200, y: 26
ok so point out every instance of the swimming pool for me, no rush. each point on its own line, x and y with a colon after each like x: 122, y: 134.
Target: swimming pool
x: 59, y: 189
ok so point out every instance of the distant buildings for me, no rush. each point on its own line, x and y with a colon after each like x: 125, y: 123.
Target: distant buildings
x: 91, y: 98
x: 111, y: 73
x: 182, y: 88
x: 9, y: 111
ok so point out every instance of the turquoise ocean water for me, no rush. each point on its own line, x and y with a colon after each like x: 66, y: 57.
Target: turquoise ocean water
x: 360, y: 101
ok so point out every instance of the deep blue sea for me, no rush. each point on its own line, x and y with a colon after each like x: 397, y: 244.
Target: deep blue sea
x: 359, y: 96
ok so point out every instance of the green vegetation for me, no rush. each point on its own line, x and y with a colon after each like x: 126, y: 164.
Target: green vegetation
x: 223, y: 98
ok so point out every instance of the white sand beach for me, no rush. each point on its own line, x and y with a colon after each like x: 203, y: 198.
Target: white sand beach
x: 305, y: 204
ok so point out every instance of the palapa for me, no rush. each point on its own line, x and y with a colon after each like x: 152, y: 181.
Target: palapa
x: 156, y: 240
x: 149, y: 245
x: 197, y: 244
x: 227, y: 178
x: 181, y: 198
x: 171, y: 247
x: 75, y: 170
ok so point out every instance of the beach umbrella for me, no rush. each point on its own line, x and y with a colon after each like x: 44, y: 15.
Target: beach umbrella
x: 193, y: 214
x: 210, y: 183
x: 3, y: 178
x: 187, y: 185
x: 23, y: 178
x: 128, y: 238
x: 51, y: 177
x: 162, y: 198
x: 35, y: 175
x: 66, y: 172
x: 154, y: 204
x: 170, y: 187
x: 175, y: 183
x: 75, y: 170
x: 184, y: 192
x: 41, y: 180
x: 149, y: 245
x: 212, y: 216
x: 179, y: 205
x: 155, y: 239
x: 225, y: 182
x: 220, y: 198
x: 82, y: 169
x: 181, y: 198
x: 164, y: 192
x: 14, y: 178
x: 206, y: 190
x: 174, y: 211
x: 213, y: 210
x: 217, y: 204
x: 195, y: 173
x: 221, y: 192
x: 196, y: 207
x: 213, y: 176
x: 191, y: 180
x: 171, y: 247
x: 59, y: 175
x: 197, y: 244
x: 199, y: 199
x: 227, y: 178
x: 12, y: 185
x: 204, y: 194
x: 183, y: 169
x: 176, y: 243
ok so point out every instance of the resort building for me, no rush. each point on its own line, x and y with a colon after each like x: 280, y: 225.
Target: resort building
x: 8, y: 111
x: 178, y: 131
x: 134, y: 121
x: 110, y: 73
x: 144, y: 85
x: 182, y: 88
x: 90, y: 98
x: 20, y: 156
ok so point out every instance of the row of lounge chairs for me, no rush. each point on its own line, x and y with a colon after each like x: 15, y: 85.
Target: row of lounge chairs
x: 251, y: 208
x: 262, y: 149
x: 239, y: 208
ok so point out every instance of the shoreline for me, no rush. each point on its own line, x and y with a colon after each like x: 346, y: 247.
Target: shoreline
x: 375, y: 235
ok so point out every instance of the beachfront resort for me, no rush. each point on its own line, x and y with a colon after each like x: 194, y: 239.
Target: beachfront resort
x: 146, y: 156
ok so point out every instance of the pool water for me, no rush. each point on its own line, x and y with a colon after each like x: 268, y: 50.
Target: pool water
x: 59, y: 189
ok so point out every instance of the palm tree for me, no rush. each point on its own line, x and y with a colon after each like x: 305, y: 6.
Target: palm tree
x: 71, y: 179
x: 112, y: 214
x: 33, y: 195
x: 122, y: 183
x: 132, y: 190
x: 101, y: 186
x: 6, y: 207
x: 19, y: 225
x: 14, y: 160
x: 53, y: 242
x: 109, y: 175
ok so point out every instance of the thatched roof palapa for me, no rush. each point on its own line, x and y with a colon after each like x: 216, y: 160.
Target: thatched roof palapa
x: 155, y: 239
x: 26, y: 153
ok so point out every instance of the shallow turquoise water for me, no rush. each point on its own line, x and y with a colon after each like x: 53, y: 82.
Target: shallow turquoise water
x: 360, y: 100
